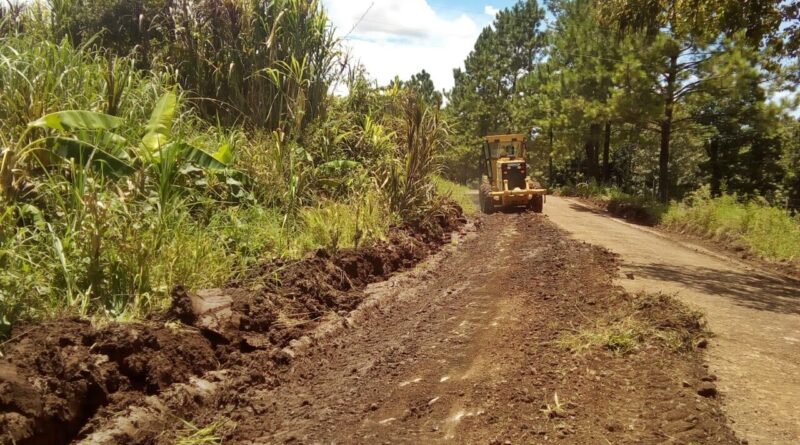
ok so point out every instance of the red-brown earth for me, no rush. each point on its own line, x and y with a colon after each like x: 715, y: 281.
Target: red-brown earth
x: 483, y: 342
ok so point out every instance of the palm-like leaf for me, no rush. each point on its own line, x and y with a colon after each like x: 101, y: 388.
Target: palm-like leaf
x: 88, y: 154
x: 73, y: 120
x: 160, y: 125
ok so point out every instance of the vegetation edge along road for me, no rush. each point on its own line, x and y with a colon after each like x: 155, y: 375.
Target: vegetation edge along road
x: 91, y: 370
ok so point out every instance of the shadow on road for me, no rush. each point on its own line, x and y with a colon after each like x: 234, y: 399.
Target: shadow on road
x: 585, y: 209
x: 752, y: 290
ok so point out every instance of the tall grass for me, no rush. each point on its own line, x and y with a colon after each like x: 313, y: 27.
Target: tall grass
x: 267, y: 64
x: 752, y: 224
x: 644, y: 209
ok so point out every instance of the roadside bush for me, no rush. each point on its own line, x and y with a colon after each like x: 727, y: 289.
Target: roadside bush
x: 754, y: 224
x: 114, y: 185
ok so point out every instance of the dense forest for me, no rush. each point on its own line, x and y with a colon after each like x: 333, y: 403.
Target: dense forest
x: 150, y: 143
x: 657, y: 98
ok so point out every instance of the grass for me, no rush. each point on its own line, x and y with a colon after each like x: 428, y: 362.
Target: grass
x: 144, y: 177
x: 639, y: 321
x: 194, y: 435
x: 750, y: 224
x: 768, y: 231
x: 620, y: 337
x: 461, y: 194
x: 556, y: 410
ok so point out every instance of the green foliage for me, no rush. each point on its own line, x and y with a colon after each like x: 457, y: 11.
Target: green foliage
x: 766, y: 230
x: 654, y: 97
x: 268, y: 64
x: 422, y: 84
x: 116, y: 186
x: 465, y: 197
x: 490, y: 87
x: 641, y: 209
x: 638, y: 322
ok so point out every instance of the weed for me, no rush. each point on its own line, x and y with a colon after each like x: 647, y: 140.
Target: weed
x: 642, y: 320
x: 194, y: 435
x: 620, y: 337
x: 556, y: 410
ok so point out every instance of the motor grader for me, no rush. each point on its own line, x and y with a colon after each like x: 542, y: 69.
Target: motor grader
x: 505, y: 183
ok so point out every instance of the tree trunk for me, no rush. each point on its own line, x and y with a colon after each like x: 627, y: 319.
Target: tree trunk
x: 591, y: 170
x: 550, y: 159
x: 663, y: 160
x: 606, y: 149
x: 713, y: 156
x: 593, y: 153
x: 666, y: 131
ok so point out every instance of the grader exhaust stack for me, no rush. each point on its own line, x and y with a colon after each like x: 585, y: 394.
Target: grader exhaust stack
x: 505, y: 183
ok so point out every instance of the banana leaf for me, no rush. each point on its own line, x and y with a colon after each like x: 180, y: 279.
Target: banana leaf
x: 88, y: 154
x: 197, y: 156
x: 160, y: 125
x: 77, y: 120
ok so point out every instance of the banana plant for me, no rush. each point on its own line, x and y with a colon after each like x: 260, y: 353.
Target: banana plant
x: 89, y: 138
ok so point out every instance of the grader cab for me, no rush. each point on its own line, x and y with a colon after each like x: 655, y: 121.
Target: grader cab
x: 505, y: 183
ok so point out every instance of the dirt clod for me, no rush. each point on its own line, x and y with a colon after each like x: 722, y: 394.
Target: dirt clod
x: 707, y: 389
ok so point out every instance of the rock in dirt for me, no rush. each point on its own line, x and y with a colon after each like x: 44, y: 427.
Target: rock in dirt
x: 707, y: 389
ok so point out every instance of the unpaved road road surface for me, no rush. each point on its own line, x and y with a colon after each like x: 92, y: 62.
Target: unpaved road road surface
x: 754, y: 314
x: 465, y: 350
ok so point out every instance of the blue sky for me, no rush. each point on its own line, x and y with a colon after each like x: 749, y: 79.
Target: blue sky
x: 402, y: 37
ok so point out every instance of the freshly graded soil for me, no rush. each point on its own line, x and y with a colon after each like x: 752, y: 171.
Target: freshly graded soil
x: 60, y: 379
x: 468, y: 347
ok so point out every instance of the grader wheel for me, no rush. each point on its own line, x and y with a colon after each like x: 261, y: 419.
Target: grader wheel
x: 537, y: 204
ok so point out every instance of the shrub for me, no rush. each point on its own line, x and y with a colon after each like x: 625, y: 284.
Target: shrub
x: 753, y: 224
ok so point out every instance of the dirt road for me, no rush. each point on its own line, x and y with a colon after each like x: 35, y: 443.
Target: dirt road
x: 754, y: 314
x: 511, y: 334
x: 466, y: 350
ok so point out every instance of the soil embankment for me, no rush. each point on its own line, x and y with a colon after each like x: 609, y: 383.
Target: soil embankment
x: 63, y: 380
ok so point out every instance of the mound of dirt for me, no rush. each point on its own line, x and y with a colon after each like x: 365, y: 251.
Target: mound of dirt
x: 281, y: 300
x: 57, y: 376
x: 468, y: 352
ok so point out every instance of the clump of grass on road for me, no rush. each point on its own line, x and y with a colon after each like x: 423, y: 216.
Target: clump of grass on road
x: 644, y: 319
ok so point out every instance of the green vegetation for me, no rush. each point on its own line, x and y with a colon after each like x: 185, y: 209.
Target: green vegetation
x: 192, y: 143
x: 641, y: 209
x: 656, y: 98
x: 193, y: 435
x: 642, y: 320
x: 461, y: 194
x: 766, y: 230
x: 134, y: 161
x: 741, y: 223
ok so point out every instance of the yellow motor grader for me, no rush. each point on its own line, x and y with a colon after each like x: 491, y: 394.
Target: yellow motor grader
x: 506, y: 183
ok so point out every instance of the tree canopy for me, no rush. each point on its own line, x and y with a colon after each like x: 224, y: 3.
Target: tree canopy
x: 658, y: 97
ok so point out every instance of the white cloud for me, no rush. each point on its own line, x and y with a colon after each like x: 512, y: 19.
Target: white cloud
x: 402, y: 37
x: 490, y: 10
